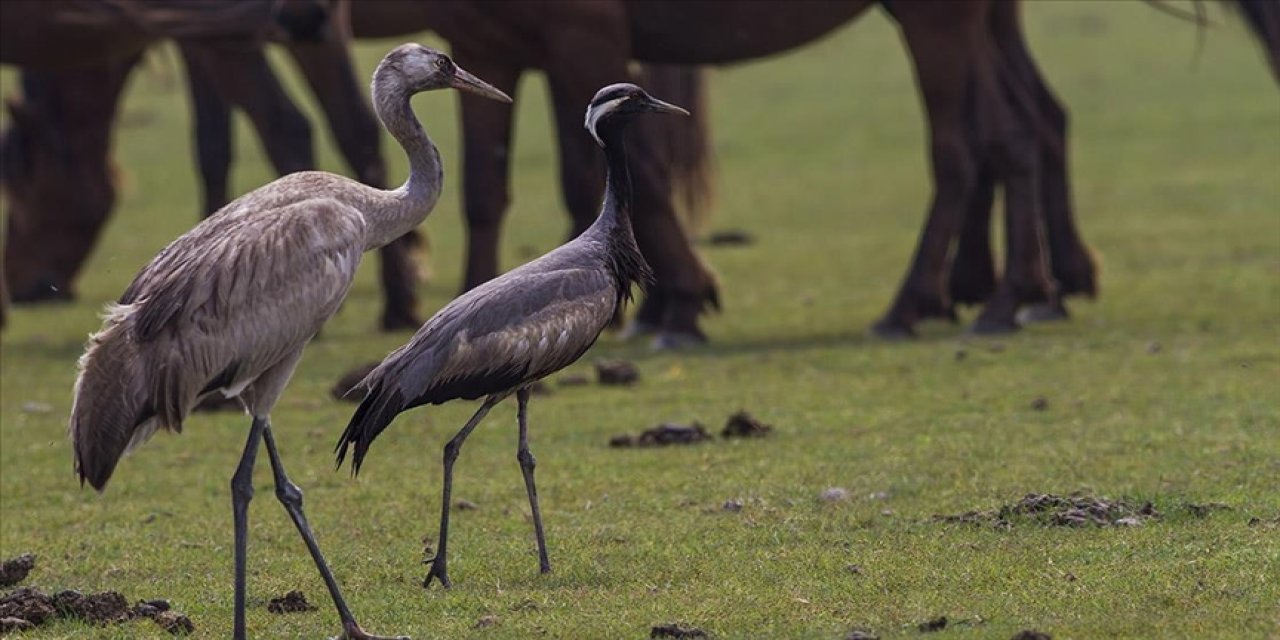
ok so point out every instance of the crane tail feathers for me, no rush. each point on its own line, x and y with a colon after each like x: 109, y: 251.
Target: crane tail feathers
x: 109, y: 414
x: 379, y: 407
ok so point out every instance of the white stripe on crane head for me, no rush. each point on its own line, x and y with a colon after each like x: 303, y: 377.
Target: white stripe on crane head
x: 596, y: 112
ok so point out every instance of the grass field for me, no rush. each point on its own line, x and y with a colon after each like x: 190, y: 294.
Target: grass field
x: 821, y: 158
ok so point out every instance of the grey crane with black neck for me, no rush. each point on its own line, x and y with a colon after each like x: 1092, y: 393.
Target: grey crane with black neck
x: 229, y: 306
x: 506, y: 334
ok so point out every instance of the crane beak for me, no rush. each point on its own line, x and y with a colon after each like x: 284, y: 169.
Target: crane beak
x: 659, y: 106
x: 466, y: 82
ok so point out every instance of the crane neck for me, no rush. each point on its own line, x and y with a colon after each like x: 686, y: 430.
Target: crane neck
x: 408, y: 205
x: 615, y: 213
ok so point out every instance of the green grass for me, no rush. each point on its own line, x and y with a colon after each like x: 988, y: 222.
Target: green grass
x: 821, y: 157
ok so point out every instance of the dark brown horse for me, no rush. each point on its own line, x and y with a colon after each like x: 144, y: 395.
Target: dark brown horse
x: 76, y: 106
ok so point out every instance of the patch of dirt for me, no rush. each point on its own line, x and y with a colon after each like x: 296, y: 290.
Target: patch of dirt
x: 1046, y: 509
x: 292, y: 602
x: 1031, y: 634
x: 174, y: 622
x: 663, y: 435
x: 15, y: 570
x: 731, y: 238
x: 676, y: 630
x: 342, y: 389
x: 95, y: 608
x: 28, y: 607
x: 937, y: 624
x: 1041, y: 403
x: 215, y: 402
x: 743, y: 425
x: 616, y: 372
x: 28, y: 604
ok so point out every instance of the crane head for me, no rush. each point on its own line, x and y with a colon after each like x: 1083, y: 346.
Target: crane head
x: 416, y: 68
x: 618, y: 103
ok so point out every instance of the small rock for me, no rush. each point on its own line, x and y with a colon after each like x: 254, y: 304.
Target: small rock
x: 1040, y: 403
x: 834, y: 494
x: 15, y: 624
x: 174, y: 622
x: 15, y: 570
x: 616, y: 372
x: 732, y: 506
x: 937, y: 624
x: 861, y: 634
x: 465, y: 505
x: 676, y: 631
x: 292, y: 602
x: 742, y: 425
x: 487, y: 621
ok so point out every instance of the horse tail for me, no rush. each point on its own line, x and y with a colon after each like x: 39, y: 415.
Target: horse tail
x: 684, y: 144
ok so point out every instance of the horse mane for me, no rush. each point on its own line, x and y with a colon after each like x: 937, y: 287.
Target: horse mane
x: 683, y: 145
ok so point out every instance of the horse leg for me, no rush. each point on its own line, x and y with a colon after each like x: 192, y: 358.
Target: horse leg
x: 213, y: 132
x: 486, y: 162
x: 1072, y: 263
x: 973, y: 270
x: 1009, y: 115
x: 941, y: 39
x: 327, y: 67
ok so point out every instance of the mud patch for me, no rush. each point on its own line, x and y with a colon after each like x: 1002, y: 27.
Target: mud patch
x: 663, y: 435
x: 343, y: 389
x: 731, y: 238
x: 94, y: 608
x: 1046, y: 509
x: 616, y: 372
x: 292, y: 602
x: 743, y: 425
x: 28, y: 607
x: 15, y: 570
x: 676, y: 630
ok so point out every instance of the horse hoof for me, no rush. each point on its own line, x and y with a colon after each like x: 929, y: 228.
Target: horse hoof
x: 638, y: 329
x: 677, y: 340
x: 1043, y: 312
x: 989, y: 327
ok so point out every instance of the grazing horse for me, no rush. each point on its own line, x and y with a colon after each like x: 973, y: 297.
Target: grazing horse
x: 76, y: 106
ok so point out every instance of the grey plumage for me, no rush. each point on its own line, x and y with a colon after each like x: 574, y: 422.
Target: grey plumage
x: 502, y: 336
x: 229, y: 306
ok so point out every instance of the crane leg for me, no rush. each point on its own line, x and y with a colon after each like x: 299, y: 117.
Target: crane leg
x: 439, y: 568
x: 527, y: 463
x: 291, y: 497
x: 241, y: 494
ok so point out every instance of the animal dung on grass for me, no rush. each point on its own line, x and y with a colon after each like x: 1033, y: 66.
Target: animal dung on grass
x: 743, y: 425
x: 676, y: 630
x: 293, y: 602
x: 667, y: 433
x: 1075, y: 510
x: 15, y: 570
x: 28, y: 607
x: 616, y: 372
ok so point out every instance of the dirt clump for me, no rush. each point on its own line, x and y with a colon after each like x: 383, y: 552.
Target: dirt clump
x: 174, y: 622
x: 616, y: 372
x: 15, y: 570
x: 14, y: 624
x: 861, y: 634
x: 28, y: 604
x: 1040, y: 403
x: 95, y: 608
x: 1031, y: 634
x: 730, y: 238
x: 345, y: 387
x: 1046, y: 509
x: 937, y: 624
x: 743, y: 425
x: 292, y: 602
x: 676, y: 630
x: 667, y: 433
